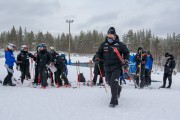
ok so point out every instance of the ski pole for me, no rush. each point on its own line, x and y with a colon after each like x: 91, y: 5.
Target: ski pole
x: 77, y: 73
x: 90, y: 65
x: 102, y: 77
x: 140, y: 70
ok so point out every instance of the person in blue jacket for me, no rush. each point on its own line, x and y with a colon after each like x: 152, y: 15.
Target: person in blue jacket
x: 9, y: 63
x: 148, y: 68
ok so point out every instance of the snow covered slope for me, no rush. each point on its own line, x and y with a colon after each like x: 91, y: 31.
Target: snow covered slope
x: 89, y: 103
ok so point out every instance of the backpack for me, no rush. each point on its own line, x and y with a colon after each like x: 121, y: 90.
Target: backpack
x: 81, y: 78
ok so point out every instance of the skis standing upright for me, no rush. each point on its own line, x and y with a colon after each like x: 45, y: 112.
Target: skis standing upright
x: 122, y: 61
x: 78, y: 71
x: 90, y: 66
x: 140, y: 69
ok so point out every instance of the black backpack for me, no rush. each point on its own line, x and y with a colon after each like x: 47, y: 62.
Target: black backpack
x: 81, y: 78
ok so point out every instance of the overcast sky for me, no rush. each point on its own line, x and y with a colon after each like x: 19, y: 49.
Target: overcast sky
x: 161, y: 16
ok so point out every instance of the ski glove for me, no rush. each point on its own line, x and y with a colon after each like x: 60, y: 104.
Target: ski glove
x: 126, y: 62
x: 97, y: 60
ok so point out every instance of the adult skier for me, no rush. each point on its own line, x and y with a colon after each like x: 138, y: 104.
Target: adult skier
x: 9, y: 63
x: 112, y: 64
x: 168, y: 70
x: 23, y: 62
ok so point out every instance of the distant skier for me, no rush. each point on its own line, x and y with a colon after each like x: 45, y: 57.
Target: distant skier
x: 97, y: 72
x: 168, y: 70
x: 44, y: 59
x: 9, y: 63
x: 140, y: 59
x: 23, y: 62
x: 148, y: 68
x: 112, y: 64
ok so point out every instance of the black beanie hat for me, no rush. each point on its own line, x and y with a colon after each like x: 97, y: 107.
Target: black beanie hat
x: 140, y: 48
x: 167, y: 54
x: 112, y: 31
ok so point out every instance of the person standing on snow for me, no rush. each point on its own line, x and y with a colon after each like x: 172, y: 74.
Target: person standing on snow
x: 23, y: 62
x: 148, y: 68
x: 61, y: 69
x: 36, y: 76
x: 97, y: 72
x: 140, y: 59
x: 168, y: 70
x: 43, y: 60
x: 112, y: 64
x: 63, y: 57
x: 9, y: 63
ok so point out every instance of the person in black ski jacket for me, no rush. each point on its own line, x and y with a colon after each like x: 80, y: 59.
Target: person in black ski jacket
x: 97, y: 72
x: 140, y: 59
x: 23, y: 62
x: 168, y: 70
x: 112, y: 64
x: 43, y: 60
x: 60, y: 74
x: 36, y: 78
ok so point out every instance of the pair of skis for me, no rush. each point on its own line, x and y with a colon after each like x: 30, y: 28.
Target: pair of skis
x: 123, y: 62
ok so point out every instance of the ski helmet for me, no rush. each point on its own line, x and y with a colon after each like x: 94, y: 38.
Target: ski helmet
x: 51, y: 50
x: 11, y: 46
x: 24, y: 48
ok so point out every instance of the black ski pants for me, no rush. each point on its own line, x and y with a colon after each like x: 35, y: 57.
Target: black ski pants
x: 95, y: 79
x: 25, y: 72
x: 113, y: 80
x: 169, y: 76
x: 43, y: 71
x: 7, y: 79
x: 36, y: 74
x: 59, y: 75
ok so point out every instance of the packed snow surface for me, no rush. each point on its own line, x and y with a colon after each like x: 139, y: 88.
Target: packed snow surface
x: 89, y: 103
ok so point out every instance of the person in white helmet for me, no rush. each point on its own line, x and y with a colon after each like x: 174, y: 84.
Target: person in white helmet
x: 23, y: 62
x: 9, y: 63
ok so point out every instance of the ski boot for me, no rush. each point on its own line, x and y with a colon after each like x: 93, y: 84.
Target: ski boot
x: 112, y: 105
x: 12, y: 84
x: 43, y: 87
x: 163, y: 86
x: 67, y: 85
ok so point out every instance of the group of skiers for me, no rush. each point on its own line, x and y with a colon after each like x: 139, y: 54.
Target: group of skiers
x: 108, y: 62
x: 44, y: 61
x: 144, y: 62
